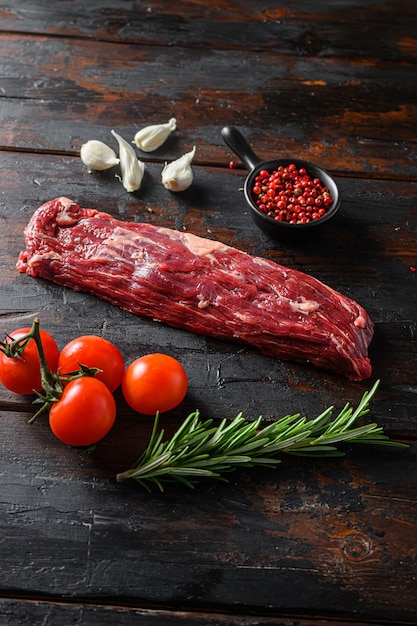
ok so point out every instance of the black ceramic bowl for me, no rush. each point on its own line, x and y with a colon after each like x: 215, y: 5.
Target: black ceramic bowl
x: 274, y: 228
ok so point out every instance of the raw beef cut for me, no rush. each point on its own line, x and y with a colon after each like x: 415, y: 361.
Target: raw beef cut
x: 199, y: 285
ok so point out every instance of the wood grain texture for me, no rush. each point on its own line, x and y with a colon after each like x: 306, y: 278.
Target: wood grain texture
x: 324, y: 542
x: 319, y: 29
x: 367, y: 125
x: 332, y: 527
x: 22, y: 613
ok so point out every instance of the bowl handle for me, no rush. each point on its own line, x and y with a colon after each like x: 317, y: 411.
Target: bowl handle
x: 238, y: 144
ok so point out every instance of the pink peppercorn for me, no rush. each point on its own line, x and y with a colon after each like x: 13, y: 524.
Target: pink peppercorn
x: 291, y: 195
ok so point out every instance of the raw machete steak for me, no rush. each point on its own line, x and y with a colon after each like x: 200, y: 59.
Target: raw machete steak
x: 199, y: 285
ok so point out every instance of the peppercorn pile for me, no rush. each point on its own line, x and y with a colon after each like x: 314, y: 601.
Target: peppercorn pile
x: 290, y: 195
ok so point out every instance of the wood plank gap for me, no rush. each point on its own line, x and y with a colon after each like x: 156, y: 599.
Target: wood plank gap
x: 204, y: 611
x: 370, y: 176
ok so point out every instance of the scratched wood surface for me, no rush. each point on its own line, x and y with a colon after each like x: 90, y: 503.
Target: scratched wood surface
x: 315, y: 541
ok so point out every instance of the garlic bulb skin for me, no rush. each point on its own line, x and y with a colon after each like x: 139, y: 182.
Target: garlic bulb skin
x: 178, y: 175
x: 96, y: 155
x: 152, y: 137
x: 131, y: 168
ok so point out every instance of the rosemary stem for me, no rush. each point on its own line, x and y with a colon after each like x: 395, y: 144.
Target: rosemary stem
x: 198, y: 449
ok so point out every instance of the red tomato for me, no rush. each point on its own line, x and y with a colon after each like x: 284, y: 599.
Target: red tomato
x: 84, y: 414
x: 23, y: 374
x: 94, y: 351
x: 155, y: 382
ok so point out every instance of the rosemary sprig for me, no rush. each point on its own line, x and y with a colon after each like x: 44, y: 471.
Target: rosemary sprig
x: 200, y: 450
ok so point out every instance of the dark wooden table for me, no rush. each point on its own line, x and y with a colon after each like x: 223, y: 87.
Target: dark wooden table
x: 316, y: 541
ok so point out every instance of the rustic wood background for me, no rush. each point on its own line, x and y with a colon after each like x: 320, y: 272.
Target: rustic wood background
x: 315, y: 541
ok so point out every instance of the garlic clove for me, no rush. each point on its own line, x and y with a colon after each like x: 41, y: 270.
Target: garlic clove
x: 178, y: 175
x: 132, y: 169
x: 96, y: 155
x: 152, y: 137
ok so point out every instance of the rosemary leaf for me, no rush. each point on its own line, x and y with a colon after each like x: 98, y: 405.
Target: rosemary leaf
x: 199, y: 449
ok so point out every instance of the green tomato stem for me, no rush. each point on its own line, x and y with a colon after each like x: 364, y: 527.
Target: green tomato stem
x: 52, y: 384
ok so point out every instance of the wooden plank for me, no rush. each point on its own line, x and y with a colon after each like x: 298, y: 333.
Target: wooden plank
x: 280, y: 109
x: 309, y: 534
x: 30, y: 612
x: 314, y: 29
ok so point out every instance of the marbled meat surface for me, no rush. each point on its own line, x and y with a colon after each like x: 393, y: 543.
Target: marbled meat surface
x: 200, y: 285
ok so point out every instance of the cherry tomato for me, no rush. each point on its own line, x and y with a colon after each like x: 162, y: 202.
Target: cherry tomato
x: 84, y: 414
x: 154, y: 382
x: 94, y: 351
x: 23, y: 374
